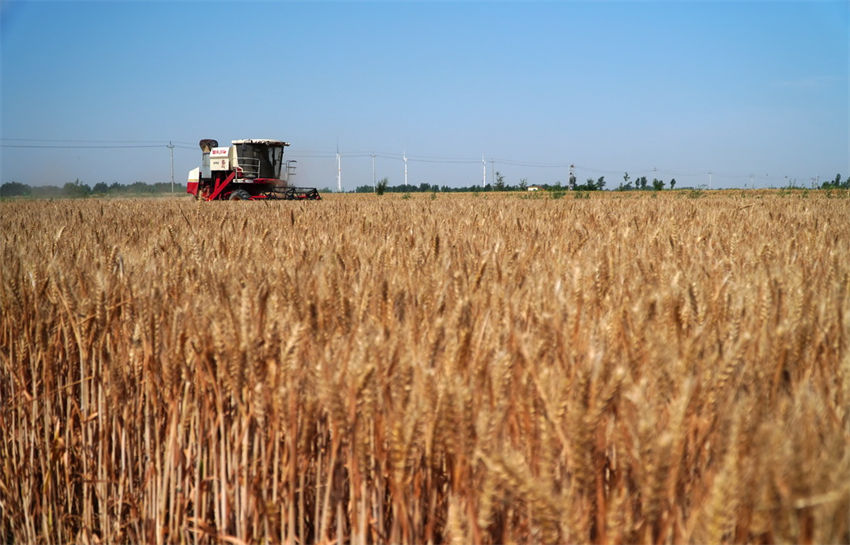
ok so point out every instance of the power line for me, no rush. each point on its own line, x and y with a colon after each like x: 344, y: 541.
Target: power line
x: 313, y: 155
x: 516, y: 163
x: 82, y: 146
x: 442, y: 161
x: 89, y: 141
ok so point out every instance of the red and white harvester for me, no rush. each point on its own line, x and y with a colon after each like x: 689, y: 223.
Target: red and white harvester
x: 246, y: 170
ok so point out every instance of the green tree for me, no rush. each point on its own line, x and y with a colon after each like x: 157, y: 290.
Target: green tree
x: 76, y: 189
x: 15, y: 189
x: 600, y: 183
x: 381, y: 186
x: 672, y: 183
x: 140, y: 187
x: 835, y: 183
x: 500, y: 181
x: 523, y: 184
x: 657, y: 184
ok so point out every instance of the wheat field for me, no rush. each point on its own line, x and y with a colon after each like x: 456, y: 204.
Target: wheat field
x: 442, y: 369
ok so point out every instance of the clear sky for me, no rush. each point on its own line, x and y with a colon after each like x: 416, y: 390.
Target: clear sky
x: 754, y: 92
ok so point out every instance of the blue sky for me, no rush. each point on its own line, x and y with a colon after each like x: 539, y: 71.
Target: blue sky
x: 754, y: 92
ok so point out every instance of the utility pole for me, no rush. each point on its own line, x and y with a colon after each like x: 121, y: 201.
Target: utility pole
x: 709, y: 179
x: 483, y: 172
x: 338, y: 172
x: 170, y: 146
x: 492, y: 172
x: 404, y: 155
x: 374, y: 180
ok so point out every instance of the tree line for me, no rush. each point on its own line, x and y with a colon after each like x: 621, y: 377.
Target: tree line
x: 837, y: 183
x: 641, y: 183
x: 500, y: 185
x: 78, y: 189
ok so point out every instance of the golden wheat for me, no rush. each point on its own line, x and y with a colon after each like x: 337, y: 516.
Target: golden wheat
x: 463, y: 369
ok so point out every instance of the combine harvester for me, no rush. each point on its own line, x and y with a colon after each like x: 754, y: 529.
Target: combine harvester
x: 246, y: 170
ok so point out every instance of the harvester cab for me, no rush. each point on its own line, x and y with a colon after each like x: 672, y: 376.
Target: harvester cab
x: 251, y: 169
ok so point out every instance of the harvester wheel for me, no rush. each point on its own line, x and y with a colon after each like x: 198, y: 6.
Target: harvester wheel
x: 240, y: 195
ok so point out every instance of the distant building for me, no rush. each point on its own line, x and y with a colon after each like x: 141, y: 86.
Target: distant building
x: 533, y: 188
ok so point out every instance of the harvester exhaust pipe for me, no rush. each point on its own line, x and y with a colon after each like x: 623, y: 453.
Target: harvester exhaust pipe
x: 207, y: 144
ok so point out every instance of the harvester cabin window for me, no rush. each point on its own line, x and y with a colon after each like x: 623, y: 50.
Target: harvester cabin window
x: 276, y: 158
x: 259, y: 161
